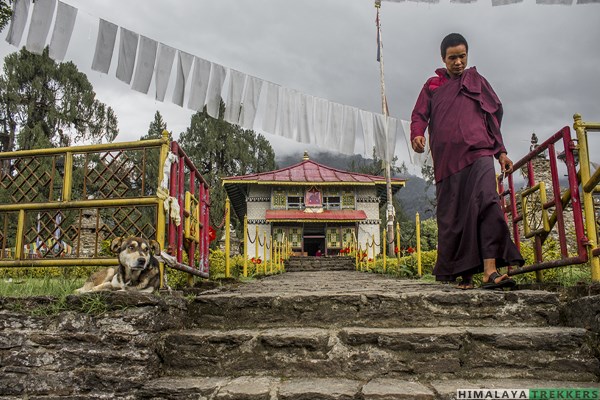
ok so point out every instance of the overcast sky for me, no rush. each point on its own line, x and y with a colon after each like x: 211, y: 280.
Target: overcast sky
x: 542, y: 60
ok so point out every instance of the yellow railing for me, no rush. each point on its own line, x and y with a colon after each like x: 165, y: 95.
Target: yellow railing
x: 47, y: 194
x: 589, y: 184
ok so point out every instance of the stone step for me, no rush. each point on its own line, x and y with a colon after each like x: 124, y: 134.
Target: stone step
x: 554, y: 353
x: 417, y: 305
x: 295, y: 264
x: 273, y: 388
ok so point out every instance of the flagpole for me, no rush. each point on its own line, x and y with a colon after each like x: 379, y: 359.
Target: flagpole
x: 386, y: 163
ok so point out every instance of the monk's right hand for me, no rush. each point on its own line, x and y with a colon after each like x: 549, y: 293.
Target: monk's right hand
x: 418, y: 144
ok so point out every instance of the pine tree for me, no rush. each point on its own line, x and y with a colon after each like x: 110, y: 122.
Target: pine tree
x: 48, y: 104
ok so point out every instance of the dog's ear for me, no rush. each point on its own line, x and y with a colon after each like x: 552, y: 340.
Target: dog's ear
x: 115, y: 245
x: 155, y: 246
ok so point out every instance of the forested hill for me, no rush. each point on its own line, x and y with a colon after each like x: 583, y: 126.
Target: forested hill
x: 414, y: 197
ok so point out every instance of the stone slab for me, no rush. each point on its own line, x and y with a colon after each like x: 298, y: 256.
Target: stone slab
x: 394, y: 389
x: 319, y: 388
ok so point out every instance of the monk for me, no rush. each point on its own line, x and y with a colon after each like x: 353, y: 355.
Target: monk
x: 462, y: 114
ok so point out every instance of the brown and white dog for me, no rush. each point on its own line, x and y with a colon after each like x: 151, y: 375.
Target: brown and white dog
x: 138, y: 268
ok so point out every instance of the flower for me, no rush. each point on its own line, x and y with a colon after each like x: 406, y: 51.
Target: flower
x: 396, y: 250
x: 410, y: 250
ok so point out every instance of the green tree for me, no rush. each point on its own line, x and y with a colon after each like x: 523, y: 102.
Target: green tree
x: 220, y: 149
x: 47, y: 104
x: 5, y: 12
x: 156, y: 128
x: 376, y: 166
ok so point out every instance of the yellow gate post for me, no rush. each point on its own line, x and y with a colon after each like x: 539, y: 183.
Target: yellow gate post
x: 384, y: 245
x: 374, y: 254
x: 588, y: 201
x: 418, y: 228
x: 161, y: 220
x: 271, y: 259
x: 255, y: 249
x: 265, y: 250
x: 227, y: 238
x: 246, y: 237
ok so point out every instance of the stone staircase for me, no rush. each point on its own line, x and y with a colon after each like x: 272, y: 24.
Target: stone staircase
x: 349, y: 335
x: 310, y: 263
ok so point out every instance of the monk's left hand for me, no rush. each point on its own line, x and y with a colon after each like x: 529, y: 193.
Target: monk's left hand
x: 505, y: 163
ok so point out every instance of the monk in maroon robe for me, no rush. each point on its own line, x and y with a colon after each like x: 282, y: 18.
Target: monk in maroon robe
x: 463, y: 115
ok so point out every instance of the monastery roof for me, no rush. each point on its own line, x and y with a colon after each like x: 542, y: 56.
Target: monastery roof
x: 308, y: 173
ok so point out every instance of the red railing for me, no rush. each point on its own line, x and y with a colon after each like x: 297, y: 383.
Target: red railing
x: 186, y: 178
x: 561, y: 199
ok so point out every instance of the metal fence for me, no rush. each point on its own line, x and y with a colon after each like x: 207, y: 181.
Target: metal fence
x: 542, y: 209
x: 62, y: 206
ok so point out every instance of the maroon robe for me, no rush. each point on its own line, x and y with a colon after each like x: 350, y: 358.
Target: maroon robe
x: 463, y: 117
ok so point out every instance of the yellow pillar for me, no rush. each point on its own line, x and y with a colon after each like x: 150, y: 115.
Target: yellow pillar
x: 256, y: 249
x: 161, y: 220
x: 227, y: 239
x: 418, y: 228
x: 265, y: 250
x: 588, y: 201
x: 374, y: 254
x: 246, y: 234
x: 384, y: 245
x: 271, y: 254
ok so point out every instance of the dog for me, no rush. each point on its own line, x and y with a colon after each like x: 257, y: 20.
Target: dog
x: 138, y: 268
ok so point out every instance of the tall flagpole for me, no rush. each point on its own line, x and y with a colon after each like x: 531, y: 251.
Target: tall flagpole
x: 386, y: 113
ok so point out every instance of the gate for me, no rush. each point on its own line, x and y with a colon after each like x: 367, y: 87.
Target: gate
x: 543, y: 209
x: 62, y: 206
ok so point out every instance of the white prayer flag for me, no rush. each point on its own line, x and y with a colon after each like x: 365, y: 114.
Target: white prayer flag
x: 144, y: 67
x: 306, y: 118
x: 63, y: 29
x: 218, y: 73
x: 184, y: 64
x: 321, y: 113
x: 234, y: 96
x: 391, y: 135
x: 272, y: 104
x: 288, y: 112
x: 128, y: 44
x: 380, y: 126
x: 334, y: 131
x: 348, y: 139
x: 18, y: 20
x: 367, y: 123
x: 199, y: 86
x: 162, y: 73
x: 558, y: 2
x: 105, y: 45
x: 496, y: 3
x: 250, y: 102
x: 41, y: 18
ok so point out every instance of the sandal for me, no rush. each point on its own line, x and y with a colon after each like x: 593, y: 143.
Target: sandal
x: 466, y: 283
x: 492, y: 284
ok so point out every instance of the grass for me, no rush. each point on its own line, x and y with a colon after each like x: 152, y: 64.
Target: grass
x: 30, y: 287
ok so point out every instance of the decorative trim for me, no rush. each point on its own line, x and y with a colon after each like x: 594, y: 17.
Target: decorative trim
x: 370, y: 222
x: 265, y: 199
x: 258, y: 222
x: 368, y: 199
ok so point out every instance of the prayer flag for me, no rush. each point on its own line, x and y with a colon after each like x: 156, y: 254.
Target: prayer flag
x: 105, y: 45
x: 18, y: 20
x: 63, y: 29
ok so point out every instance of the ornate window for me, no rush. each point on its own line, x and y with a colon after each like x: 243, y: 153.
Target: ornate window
x: 296, y: 237
x: 333, y: 238
x: 278, y: 199
x: 348, y: 200
x: 278, y: 234
x: 347, y: 237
